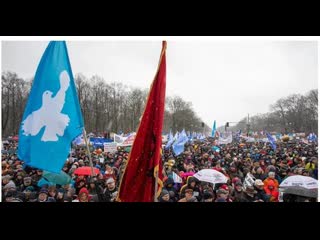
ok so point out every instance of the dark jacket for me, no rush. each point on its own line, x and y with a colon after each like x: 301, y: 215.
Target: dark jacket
x: 261, y: 194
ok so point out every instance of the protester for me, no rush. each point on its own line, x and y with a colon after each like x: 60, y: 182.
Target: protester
x: 236, y: 161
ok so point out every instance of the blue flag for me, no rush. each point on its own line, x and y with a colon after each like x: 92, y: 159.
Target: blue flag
x: 312, y: 137
x: 178, y: 146
x: 170, y: 141
x: 213, y: 129
x: 52, y: 117
x: 272, y: 141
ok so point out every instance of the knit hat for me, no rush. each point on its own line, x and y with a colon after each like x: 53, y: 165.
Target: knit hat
x: 84, y: 190
x: 44, y: 190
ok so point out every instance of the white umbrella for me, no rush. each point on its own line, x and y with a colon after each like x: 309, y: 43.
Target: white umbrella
x: 300, y: 185
x: 211, y: 176
x: 300, y: 181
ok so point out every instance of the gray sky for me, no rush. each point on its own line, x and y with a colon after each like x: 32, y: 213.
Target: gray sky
x: 224, y: 80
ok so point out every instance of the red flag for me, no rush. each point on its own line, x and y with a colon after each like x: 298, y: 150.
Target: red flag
x: 144, y: 165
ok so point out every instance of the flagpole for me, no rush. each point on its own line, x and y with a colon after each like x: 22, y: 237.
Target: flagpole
x: 156, y: 185
x: 88, y: 150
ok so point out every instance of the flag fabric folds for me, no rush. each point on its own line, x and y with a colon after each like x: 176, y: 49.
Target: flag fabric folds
x: 213, y: 129
x: 272, y: 141
x: 52, y: 117
x: 312, y: 137
x: 178, y: 146
x: 144, y: 165
x: 170, y: 141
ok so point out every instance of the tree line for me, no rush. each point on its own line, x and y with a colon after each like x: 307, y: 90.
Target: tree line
x: 294, y: 113
x: 106, y: 107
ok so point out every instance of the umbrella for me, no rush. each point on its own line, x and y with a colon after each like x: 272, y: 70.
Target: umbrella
x: 211, y: 175
x: 86, y: 171
x: 42, y: 182
x: 300, y: 185
x: 15, y: 138
x: 300, y: 181
x: 58, y: 178
x: 300, y: 191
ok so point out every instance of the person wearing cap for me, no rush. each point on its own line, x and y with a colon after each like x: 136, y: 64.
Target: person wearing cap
x: 222, y: 195
x: 227, y: 189
x: 110, y: 192
x: 43, y: 195
x: 261, y: 194
x: 188, y: 196
x: 191, y: 184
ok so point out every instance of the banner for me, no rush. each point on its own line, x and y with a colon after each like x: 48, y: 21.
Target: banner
x: 226, y: 138
x: 110, y: 147
x: 248, y: 181
x: 118, y: 138
x: 99, y: 142
x: 129, y: 140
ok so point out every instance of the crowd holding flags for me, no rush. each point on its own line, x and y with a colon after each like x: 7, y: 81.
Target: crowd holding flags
x: 53, y: 120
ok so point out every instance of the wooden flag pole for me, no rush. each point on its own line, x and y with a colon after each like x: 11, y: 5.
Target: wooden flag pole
x: 156, y: 185
x: 88, y: 150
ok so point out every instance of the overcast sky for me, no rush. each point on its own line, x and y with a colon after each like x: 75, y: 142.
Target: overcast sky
x: 224, y: 80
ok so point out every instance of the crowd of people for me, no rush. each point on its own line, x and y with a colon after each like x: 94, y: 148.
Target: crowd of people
x: 21, y: 183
